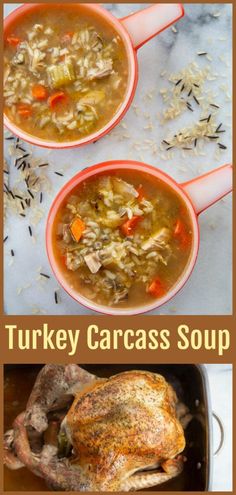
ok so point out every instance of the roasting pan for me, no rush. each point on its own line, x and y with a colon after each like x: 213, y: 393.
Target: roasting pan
x: 190, y: 382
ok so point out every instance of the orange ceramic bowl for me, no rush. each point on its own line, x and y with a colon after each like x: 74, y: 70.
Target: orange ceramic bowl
x: 134, y: 31
x: 197, y: 195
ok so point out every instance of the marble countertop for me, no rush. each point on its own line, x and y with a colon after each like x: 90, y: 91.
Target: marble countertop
x: 205, y: 27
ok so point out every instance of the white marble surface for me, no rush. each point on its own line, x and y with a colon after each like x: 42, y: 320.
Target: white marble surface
x: 220, y: 382
x: 209, y: 289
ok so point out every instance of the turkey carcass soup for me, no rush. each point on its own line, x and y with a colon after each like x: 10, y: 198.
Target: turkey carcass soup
x: 123, y: 239
x: 65, y: 72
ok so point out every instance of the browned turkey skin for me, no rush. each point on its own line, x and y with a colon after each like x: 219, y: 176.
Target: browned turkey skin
x: 83, y: 433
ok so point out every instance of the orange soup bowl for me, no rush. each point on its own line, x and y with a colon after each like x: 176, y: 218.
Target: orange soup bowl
x: 197, y: 195
x: 134, y: 31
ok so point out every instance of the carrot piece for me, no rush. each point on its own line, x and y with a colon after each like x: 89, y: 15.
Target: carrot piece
x: 179, y: 227
x: 181, y: 234
x: 24, y: 110
x: 77, y: 228
x: 185, y: 240
x: 13, y: 40
x: 128, y: 227
x: 39, y: 92
x: 66, y: 38
x: 140, y: 191
x: 63, y: 259
x: 55, y: 98
x: 156, y: 288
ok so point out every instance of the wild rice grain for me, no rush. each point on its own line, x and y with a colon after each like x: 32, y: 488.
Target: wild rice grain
x: 30, y: 230
x: 20, y: 148
x: 21, y: 158
x: 41, y: 197
x: 218, y: 128
x: 30, y: 193
x: 7, y: 188
x: 12, y: 252
x: 44, y: 275
x: 178, y: 82
x: 194, y: 97
x: 56, y: 297
x: 5, y: 238
x: 59, y: 173
x: 35, y: 182
x: 189, y: 106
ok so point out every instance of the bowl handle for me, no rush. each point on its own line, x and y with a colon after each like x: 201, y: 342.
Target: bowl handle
x: 209, y: 188
x: 149, y: 22
x: 222, y: 433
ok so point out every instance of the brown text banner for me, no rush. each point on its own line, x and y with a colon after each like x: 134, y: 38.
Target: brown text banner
x: 102, y: 339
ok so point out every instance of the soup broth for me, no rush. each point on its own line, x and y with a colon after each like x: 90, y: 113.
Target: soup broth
x: 122, y: 240
x: 65, y: 72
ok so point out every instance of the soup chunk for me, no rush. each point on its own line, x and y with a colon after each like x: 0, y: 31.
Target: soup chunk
x: 65, y: 73
x: 122, y: 241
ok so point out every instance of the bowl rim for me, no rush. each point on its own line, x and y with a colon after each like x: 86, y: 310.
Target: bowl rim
x: 131, y: 84
x: 93, y: 171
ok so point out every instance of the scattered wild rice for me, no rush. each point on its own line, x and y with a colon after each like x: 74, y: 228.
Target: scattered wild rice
x: 24, y: 179
x: 188, y: 89
x: 44, y: 275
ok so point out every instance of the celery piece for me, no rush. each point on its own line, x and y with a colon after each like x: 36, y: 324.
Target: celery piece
x: 61, y: 74
x: 93, y: 97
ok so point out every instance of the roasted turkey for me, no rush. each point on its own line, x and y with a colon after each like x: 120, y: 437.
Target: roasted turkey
x: 84, y: 433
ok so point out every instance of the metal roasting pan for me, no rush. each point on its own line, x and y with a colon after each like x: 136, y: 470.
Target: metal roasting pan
x: 190, y: 382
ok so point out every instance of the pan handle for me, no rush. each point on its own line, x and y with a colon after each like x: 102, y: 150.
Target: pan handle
x: 222, y: 433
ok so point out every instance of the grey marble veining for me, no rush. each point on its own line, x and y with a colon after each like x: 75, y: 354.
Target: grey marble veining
x: 208, y: 291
